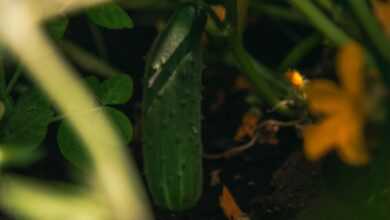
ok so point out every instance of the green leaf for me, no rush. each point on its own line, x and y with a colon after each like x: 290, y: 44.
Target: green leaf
x: 122, y: 122
x: 110, y: 16
x: 117, y: 90
x: 57, y: 27
x: 74, y: 150
x: 93, y: 83
x: 25, y: 127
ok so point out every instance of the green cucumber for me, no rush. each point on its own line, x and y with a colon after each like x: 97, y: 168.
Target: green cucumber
x: 172, y: 147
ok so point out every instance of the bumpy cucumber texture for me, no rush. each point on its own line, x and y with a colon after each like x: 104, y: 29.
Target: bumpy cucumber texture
x: 172, y: 112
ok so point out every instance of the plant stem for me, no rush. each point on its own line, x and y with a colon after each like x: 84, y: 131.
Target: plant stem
x: 14, y: 79
x: 372, y: 28
x: 5, y: 98
x: 88, y: 61
x: 299, y: 51
x: 265, y: 84
x: 98, y: 40
x: 276, y: 12
x: 2, y: 76
x: 321, y: 22
x: 326, y: 4
x: 254, y: 74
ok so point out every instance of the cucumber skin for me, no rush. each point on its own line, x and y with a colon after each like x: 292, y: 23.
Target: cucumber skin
x: 172, y: 147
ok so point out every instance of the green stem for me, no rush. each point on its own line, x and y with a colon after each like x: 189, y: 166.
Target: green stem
x: 14, y: 79
x: 3, y: 93
x: 98, y: 40
x: 321, y: 22
x: 276, y: 12
x: 245, y: 63
x: 372, y: 27
x: 296, y: 54
x: 326, y: 4
x: 265, y: 84
x: 88, y: 61
x: 2, y: 77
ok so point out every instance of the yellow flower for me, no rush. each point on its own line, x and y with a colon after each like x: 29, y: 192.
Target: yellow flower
x: 296, y: 79
x: 341, y: 129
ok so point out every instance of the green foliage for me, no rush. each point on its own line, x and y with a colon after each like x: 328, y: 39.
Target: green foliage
x: 110, y: 16
x: 93, y: 83
x: 172, y: 96
x: 57, y: 27
x: 25, y: 127
x: 116, y: 90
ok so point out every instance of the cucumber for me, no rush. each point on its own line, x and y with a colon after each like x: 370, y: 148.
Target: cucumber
x: 172, y: 147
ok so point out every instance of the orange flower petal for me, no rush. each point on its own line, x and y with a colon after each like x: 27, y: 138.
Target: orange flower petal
x: 324, y: 96
x: 229, y: 205
x: 320, y: 139
x: 353, y: 153
x: 351, y: 144
x: 220, y: 11
x: 350, y: 63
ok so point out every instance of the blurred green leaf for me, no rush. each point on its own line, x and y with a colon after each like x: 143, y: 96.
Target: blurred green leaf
x: 110, y: 16
x: 116, y: 90
x: 93, y: 83
x: 57, y: 27
x: 73, y: 149
x: 123, y: 123
x: 26, y: 125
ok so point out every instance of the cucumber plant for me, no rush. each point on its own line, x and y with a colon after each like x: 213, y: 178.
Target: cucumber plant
x: 172, y: 111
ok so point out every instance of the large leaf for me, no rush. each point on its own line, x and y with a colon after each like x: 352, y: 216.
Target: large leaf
x: 24, y: 128
x: 116, y: 90
x: 26, y: 125
x: 73, y: 149
x: 110, y: 16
